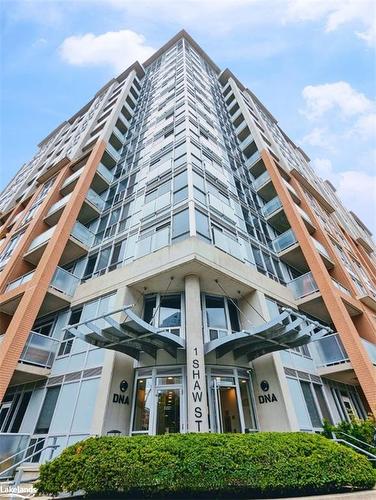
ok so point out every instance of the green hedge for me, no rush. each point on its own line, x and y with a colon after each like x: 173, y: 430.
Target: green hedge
x: 263, y: 464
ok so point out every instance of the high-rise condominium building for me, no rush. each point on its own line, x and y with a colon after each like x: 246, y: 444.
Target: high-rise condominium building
x: 170, y: 262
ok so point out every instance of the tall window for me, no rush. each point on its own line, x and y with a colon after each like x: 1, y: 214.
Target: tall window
x: 47, y: 411
x: 221, y: 316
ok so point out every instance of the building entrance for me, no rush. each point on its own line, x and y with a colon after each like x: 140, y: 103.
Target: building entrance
x: 168, y: 410
x: 226, y: 407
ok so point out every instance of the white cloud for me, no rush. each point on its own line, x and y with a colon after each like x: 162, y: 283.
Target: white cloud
x: 118, y: 49
x: 338, y: 96
x: 335, y: 14
x: 322, y: 138
x: 323, y: 167
x: 365, y: 127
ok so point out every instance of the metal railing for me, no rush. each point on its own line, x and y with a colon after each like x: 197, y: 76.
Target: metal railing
x: 39, y: 350
x: 8, y: 472
x: 360, y: 449
x: 303, y: 285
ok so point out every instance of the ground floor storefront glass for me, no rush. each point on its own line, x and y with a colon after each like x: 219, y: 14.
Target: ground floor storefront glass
x: 159, y: 402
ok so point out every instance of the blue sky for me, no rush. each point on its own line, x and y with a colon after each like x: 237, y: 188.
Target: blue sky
x: 312, y: 63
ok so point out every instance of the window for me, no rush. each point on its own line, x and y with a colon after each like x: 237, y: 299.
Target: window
x: 180, y: 226
x: 170, y: 311
x: 202, y: 225
x: 215, y: 312
x: 47, y: 411
x: 67, y: 341
x: 311, y: 405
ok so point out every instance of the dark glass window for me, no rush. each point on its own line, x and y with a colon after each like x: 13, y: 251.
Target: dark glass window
x: 149, y: 308
x: 180, y: 224
x: 169, y: 312
x: 311, y: 405
x: 234, y: 318
x: 47, y: 411
x: 21, y: 411
x: 215, y: 312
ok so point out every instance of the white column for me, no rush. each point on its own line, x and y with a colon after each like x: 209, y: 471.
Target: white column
x: 196, y: 380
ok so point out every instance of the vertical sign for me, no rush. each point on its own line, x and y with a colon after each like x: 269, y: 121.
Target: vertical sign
x: 196, y: 380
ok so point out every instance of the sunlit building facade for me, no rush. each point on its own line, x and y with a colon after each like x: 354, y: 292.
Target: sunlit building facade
x: 170, y: 262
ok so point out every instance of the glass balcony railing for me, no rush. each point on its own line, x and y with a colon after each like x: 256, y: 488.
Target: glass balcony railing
x: 261, y: 180
x: 284, y: 240
x: 59, y: 204
x: 42, y: 238
x: 105, y: 173
x: 271, y: 207
x: 82, y: 234
x: 115, y: 155
x: 303, y: 286
x: 321, y: 248
x: 330, y: 351
x: 246, y: 142
x: 252, y: 159
x: 303, y: 214
x: 39, y: 350
x: 72, y: 177
x: 95, y: 199
x: 19, y: 281
x: 64, y: 281
x: 341, y: 287
x: 371, y: 350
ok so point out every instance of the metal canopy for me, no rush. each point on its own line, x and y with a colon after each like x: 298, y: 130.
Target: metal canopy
x: 132, y: 336
x: 289, y: 329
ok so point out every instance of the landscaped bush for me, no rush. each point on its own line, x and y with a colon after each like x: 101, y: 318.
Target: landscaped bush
x: 263, y: 464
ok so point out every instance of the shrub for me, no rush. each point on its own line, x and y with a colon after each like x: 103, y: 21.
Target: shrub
x: 263, y: 464
x: 364, y: 430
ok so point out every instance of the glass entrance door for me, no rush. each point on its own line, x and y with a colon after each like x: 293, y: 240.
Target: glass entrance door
x: 226, y: 407
x: 168, y: 410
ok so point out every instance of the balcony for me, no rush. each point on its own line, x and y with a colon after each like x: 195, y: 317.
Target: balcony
x: 38, y: 245
x: 329, y: 264
x: 112, y: 152
x: 303, y: 285
x: 36, y: 359
x: 55, y: 211
x: 332, y: 360
x: 19, y: 281
x: 371, y: 350
x: 102, y: 178
x: 289, y: 251
x: 275, y: 215
x: 14, y: 293
x: 70, y: 182
x: 91, y: 207
x: 39, y: 350
x: 292, y: 191
x: 369, y: 299
x: 264, y: 186
x: 60, y: 291
x: 330, y: 351
x: 307, y: 221
x: 78, y: 245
